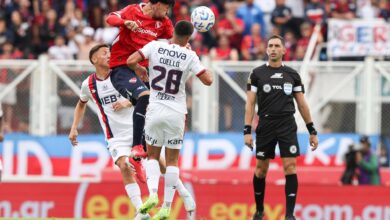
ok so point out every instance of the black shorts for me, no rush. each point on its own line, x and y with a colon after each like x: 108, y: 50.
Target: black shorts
x: 127, y: 82
x: 271, y: 131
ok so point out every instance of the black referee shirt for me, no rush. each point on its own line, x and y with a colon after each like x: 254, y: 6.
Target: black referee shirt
x: 274, y: 88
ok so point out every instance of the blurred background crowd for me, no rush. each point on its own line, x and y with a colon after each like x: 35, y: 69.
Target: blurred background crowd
x: 68, y: 29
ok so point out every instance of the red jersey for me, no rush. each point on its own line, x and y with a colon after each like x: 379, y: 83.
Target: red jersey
x: 129, y: 41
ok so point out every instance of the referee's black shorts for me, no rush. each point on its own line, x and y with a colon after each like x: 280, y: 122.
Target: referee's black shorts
x: 282, y: 130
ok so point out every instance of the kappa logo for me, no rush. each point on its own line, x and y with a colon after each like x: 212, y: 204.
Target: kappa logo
x: 277, y: 76
x: 133, y: 80
x: 114, y: 152
x: 260, y: 154
x: 293, y: 149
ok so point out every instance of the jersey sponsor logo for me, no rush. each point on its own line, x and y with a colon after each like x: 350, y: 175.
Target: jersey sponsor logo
x: 164, y: 96
x: 277, y: 76
x: 150, y: 139
x: 293, y: 149
x: 175, y: 141
x: 277, y: 87
x: 158, y: 24
x: 144, y: 31
x: 108, y: 99
x: 105, y: 87
x: 133, y: 80
x: 266, y: 88
x: 172, y: 53
x: 287, y: 88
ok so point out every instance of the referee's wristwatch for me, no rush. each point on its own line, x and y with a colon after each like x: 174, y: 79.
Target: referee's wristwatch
x: 311, y: 129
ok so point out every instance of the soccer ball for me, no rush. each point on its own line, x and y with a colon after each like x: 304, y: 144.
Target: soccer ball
x: 202, y: 18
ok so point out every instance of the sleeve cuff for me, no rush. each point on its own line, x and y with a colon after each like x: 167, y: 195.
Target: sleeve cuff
x: 200, y: 73
x: 142, y: 54
x: 83, y: 101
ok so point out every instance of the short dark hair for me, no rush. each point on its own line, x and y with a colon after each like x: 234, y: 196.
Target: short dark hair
x: 275, y: 36
x: 95, y: 49
x: 167, y: 2
x: 184, y: 28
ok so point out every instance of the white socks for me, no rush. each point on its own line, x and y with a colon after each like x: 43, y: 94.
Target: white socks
x: 171, y: 178
x: 152, y: 175
x: 181, y: 189
x: 134, y: 194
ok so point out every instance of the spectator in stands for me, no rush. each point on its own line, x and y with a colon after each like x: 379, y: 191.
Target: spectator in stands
x: 60, y: 51
x: 250, y: 14
x: 384, y: 10
x: 183, y: 12
x: 106, y: 34
x: 367, y: 163
x: 87, y: 45
x: 9, y: 52
x: 198, y: 46
x: 231, y: 26
x: 343, y: 9
x: 6, y: 35
x: 290, y: 45
x: 252, y: 46
x: 22, y: 33
x: 367, y: 9
x: 282, y: 16
x: 49, y: 30
x: 315, y: 12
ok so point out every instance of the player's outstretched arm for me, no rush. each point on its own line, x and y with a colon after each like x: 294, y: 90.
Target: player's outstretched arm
x: 79, y: 112
x: 303, y: 108
x: 206, y: 78
x: 133, y: 61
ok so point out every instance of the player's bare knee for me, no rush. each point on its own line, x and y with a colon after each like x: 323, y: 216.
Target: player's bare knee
x: 289, y: 168
x: 261, y: 171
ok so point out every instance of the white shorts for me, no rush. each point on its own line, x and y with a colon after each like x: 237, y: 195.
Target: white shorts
x: 119, y: 151
x: 120, y: 146
x: 164, y: 126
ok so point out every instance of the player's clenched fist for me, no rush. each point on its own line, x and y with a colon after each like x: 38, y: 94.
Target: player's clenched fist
x: 132, y: 25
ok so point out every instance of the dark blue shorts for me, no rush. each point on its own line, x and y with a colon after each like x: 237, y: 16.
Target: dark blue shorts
x: 127, y: 82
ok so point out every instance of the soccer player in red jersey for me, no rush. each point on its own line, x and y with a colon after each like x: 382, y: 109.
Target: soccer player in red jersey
x: 139, y: 24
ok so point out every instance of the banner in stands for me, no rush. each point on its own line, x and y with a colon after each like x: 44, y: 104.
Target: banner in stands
x: 54, y: 156
x: 351, y: 38
x: 214, y: 201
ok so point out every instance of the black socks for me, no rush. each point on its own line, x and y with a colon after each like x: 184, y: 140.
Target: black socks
x: 139, y: 119
x: 291, y: 189
x: 259, y: 190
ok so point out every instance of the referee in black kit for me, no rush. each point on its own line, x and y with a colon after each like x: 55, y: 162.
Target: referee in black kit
x: 275, y: 85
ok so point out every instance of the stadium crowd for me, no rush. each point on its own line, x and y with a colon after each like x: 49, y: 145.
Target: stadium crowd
x: 68, y: 29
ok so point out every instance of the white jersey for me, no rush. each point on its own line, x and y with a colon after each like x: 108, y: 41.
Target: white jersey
x: 117, y: 126
x: 170, y: 65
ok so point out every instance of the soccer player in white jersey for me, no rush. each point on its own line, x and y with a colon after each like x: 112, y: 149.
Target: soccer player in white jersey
x: 170, y: 65
x: 115, y: 119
